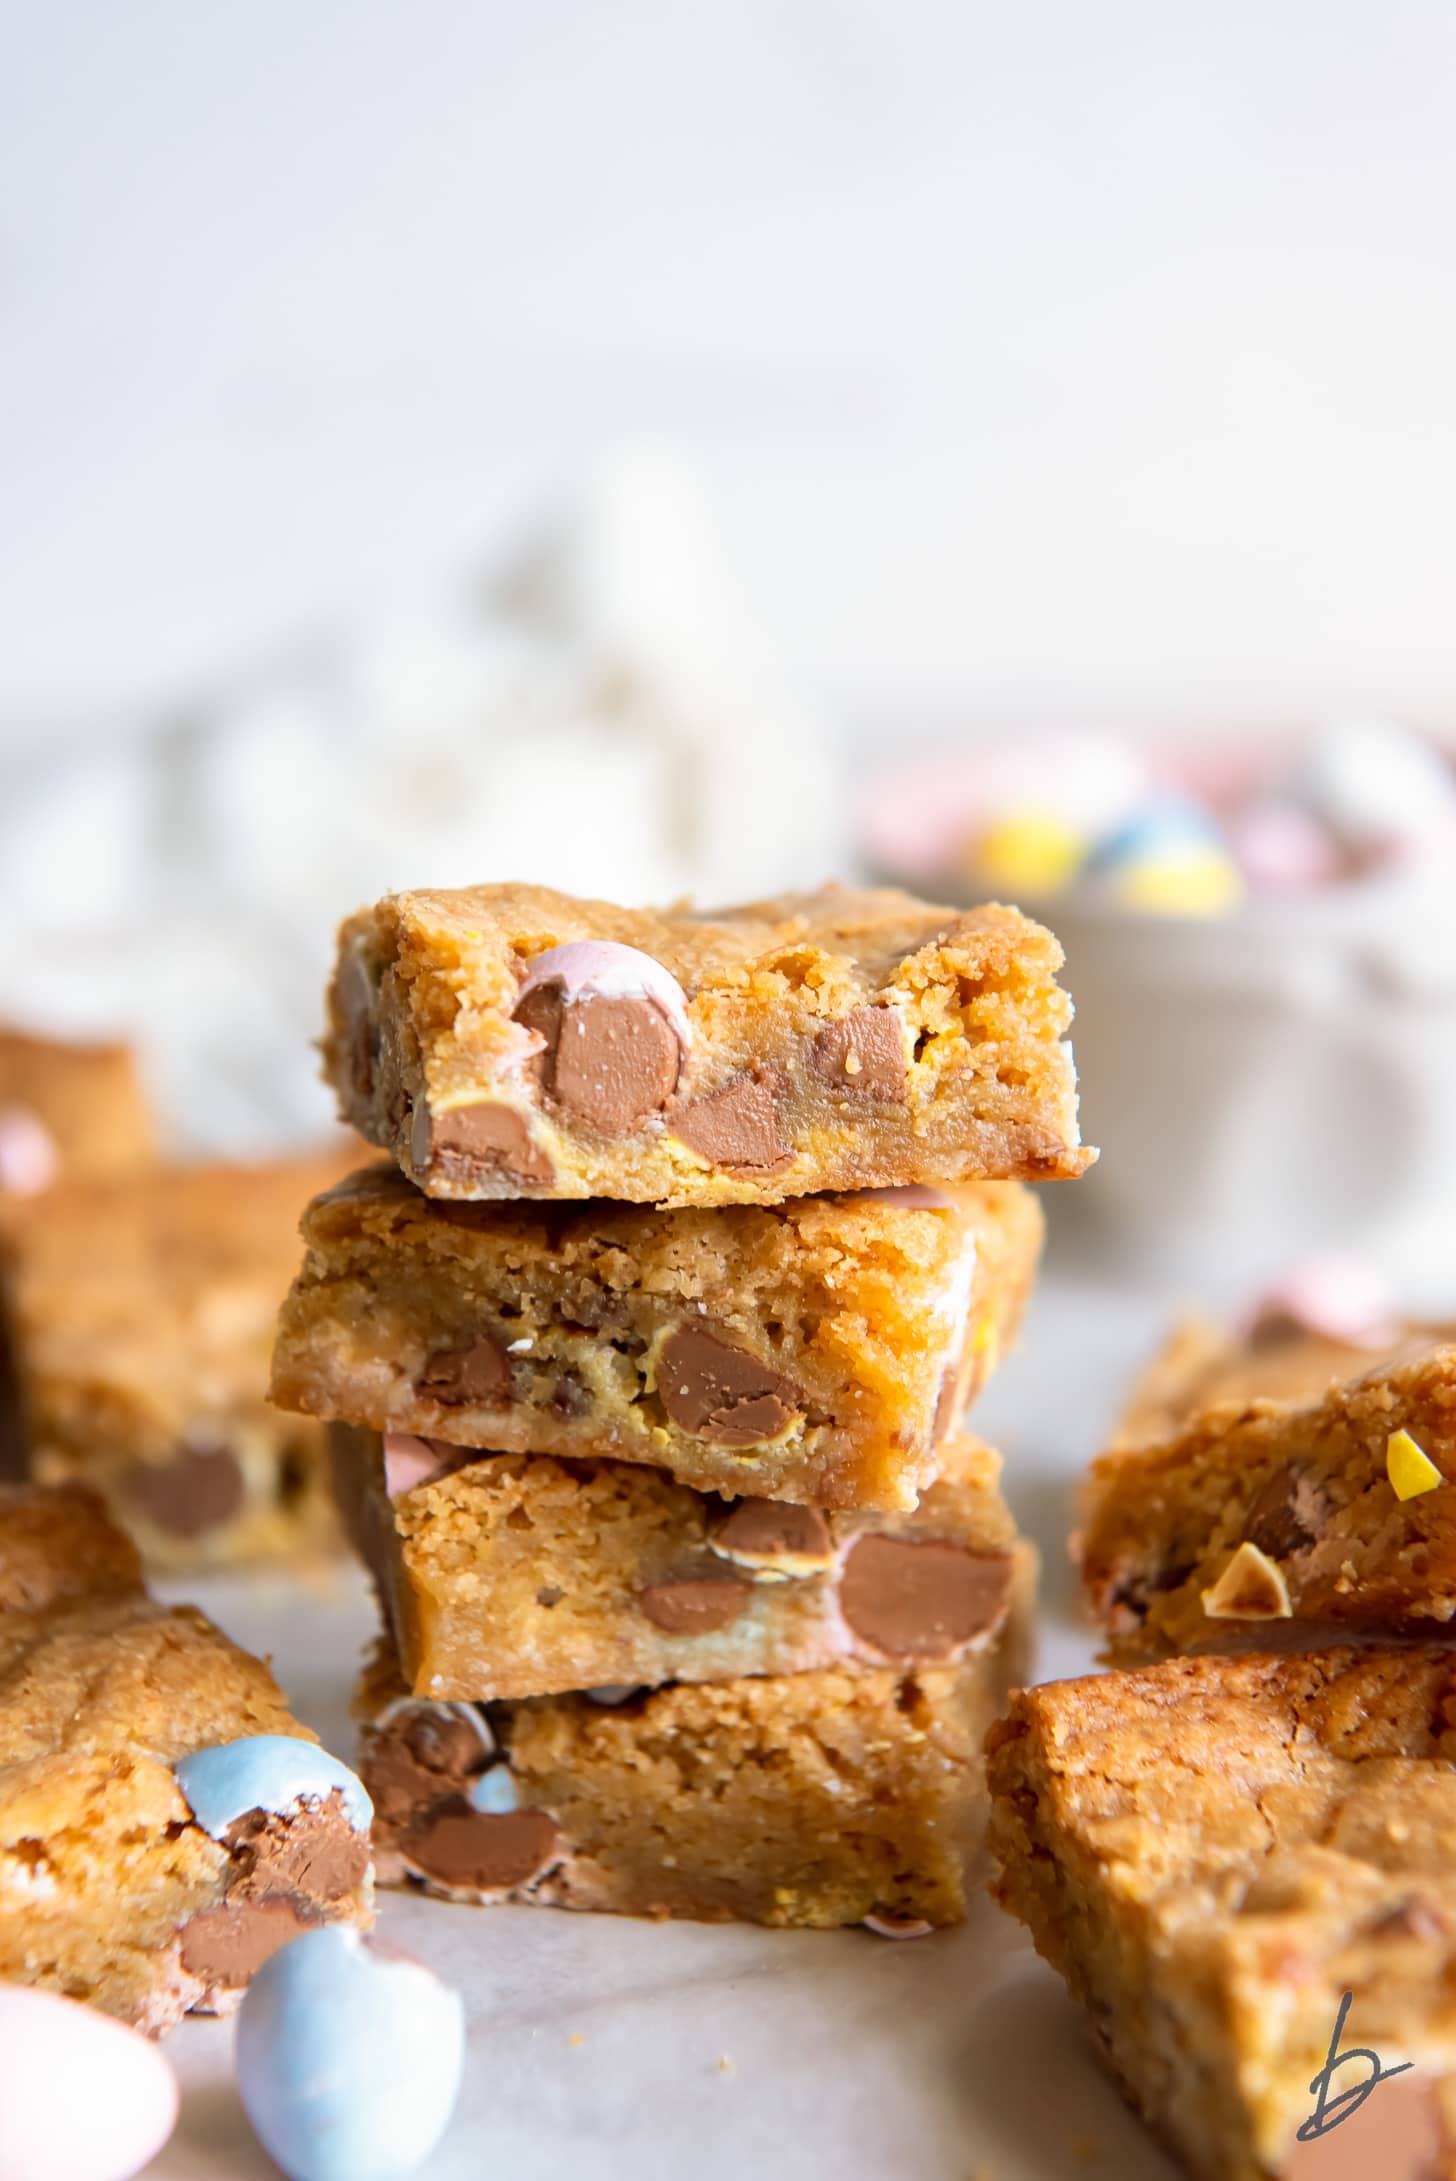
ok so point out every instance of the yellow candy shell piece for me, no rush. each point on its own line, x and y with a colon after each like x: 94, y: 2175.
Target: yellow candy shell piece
x: 1410, y: 1471
x: 1029, y: 852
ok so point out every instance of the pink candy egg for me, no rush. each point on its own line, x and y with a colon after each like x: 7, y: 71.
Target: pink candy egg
x: 82, y: 2098
x: 1282, y: 849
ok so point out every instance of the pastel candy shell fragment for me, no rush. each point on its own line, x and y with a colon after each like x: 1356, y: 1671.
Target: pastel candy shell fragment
x: 266, y: 1772
x: 1409, y: 1468
x: 1251, y: 1588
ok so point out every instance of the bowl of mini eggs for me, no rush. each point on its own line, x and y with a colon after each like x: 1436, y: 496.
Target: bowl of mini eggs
x: 1261, y: 942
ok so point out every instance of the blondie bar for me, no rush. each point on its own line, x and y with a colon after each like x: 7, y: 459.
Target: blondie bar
x: 165, y: 1822
x: 138, y: 1314
x: 819, y: 1351
x: 510, y: 1041
x: 1214, y: 1852
x: 816, y: 1799
x: 1279, y: 1522
x: 506, y: 1575
x: 67, y: 1109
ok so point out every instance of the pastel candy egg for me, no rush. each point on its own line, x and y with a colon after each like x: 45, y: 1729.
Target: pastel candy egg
x: 349, y: 2058
x: 1282, y: 849
x: 1170, y: 860
x: 1030, y: 851
x: 266, y: 1772
x: 82, y: 2098
x: 1375, y: 782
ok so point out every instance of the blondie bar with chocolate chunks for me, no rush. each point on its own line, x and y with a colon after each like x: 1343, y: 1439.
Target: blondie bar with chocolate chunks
x: 68, y: 1109
x: 1216, y: 1852
x: 505, y: 1041
x: 1277, y: 1522
x: 505, y: 1575
x: 813, y: 1799
x: 165, y: 1822
x: 137, y: 1316
x: 821, y: 1350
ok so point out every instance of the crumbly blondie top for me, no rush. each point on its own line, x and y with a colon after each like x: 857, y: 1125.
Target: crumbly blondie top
x: 68, y: 1109
x: 1264, y: 1521
x: 1212, y: 1851
x: 812, y: 1799
x: 510, y: 1575
x: 509, y: 1040
x: 139, y: 1318
x: 820, y: 1350
x: 111, y: 1890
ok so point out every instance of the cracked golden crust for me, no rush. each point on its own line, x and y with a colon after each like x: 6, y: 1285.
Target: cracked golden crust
x: 101, y: 1691
x: 989, y: 1092
x: 140, y: 1313
x: 1307, y: 1484
x: 866, y: 1307
x: 1211, y: 1851
x: 520, y: 1575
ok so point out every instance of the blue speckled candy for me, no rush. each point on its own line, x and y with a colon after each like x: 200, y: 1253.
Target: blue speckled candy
x: 1166, y: 827
x: 265, y: 1772
x: 349, y: 2060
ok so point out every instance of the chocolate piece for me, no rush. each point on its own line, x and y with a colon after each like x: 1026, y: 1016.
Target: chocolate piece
x: 717, y: 1391
x: 471, y: 1851
x: 922, y: 1601
x: 316, y: 1853
x: 1398, y: 2132
x: 361, y: 1023
x: 610, y: 1064
x: 420, y: 1753
x: 485, y: 1135
x: 228, y: 1945
x: 772, y: 1535
x: 864, y: 1055
x: 694, y: 1605
x: 737, y: 1126
x: 475, y: 1371
x: 198, y: 1490
x: 1286, y: 1514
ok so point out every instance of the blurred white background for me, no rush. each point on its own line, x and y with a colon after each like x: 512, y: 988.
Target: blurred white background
x: 876, y: 373
x: 1028, y: 353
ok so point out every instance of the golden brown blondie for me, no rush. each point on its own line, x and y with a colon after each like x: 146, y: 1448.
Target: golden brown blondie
x: 508, y: 1041
x: 1279, y: 1522
x: 507, y: 1575
x: 165, y: 1821
x: 1213, y: 1852
x: 138, y: 1314
x: 815, y: 1799
x: 821, y: 1350
x: 68, y: 1110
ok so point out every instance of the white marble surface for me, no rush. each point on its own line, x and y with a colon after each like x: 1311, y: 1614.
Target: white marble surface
x: 600, y: 2047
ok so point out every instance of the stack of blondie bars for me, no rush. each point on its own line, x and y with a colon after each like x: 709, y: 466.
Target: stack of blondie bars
x: 646, y: 1365
x: 1240, y: 1847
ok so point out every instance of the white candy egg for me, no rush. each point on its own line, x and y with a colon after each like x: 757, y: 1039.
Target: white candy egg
x: 349, y: 2058
x: 82, y: 2098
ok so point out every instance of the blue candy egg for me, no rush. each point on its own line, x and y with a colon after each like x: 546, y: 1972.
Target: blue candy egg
x: 265, y: 1772
x: 1166, y: 828
x: 349, y: 2058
